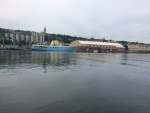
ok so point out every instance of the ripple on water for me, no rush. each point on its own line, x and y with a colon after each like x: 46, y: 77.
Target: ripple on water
x: 41, y: 82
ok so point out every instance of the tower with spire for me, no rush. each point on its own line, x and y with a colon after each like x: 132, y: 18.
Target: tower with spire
x: 44, y: 30
x: 44, y: 35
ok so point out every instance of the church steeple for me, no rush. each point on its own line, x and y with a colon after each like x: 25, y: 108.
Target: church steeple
x: 45, y: 30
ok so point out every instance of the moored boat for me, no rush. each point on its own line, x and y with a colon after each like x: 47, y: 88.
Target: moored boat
x: 54, y: 46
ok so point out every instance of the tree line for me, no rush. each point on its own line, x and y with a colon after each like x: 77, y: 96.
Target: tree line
x: 62, y: 38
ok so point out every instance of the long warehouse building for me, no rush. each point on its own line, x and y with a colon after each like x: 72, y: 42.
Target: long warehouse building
x: 94, y: 46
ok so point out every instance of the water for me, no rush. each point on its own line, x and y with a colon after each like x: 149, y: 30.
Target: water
x: 49, y: 82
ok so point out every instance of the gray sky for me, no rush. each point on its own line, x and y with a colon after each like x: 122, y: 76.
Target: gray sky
x: 127, y: 20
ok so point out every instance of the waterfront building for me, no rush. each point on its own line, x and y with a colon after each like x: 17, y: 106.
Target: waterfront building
x: 138, y: 47
x: 29, y: 37
x: 94, y: 46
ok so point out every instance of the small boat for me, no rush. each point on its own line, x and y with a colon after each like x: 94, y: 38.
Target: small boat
x: 55, y: 46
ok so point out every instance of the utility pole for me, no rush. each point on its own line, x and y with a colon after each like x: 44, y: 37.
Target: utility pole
x: 3, y: 42
x: 18, y: 42
x: 2, y: 37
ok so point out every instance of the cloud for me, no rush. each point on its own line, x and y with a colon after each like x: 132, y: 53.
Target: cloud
x: 116, y: 20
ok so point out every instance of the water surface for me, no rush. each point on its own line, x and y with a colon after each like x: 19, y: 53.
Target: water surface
x: 54, y: 82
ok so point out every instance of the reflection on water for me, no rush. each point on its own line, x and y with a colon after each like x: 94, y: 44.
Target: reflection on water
x: 16, y: 59
x: 12, y: 59
x: 54, y: 82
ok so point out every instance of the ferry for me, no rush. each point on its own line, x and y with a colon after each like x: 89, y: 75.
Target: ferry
x: 54, y: 46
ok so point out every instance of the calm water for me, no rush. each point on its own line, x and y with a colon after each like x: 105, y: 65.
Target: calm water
x: 49, y: 82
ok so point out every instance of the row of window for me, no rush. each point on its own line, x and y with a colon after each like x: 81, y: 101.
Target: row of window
x: 44, y: 47
x: 140, y: 48
x: 137, y: 46
x: 102, y: 46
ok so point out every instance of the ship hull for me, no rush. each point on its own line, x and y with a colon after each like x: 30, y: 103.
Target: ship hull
x: 54, y: 48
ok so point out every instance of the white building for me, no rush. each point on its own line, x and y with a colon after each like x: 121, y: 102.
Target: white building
x: 33, y: 37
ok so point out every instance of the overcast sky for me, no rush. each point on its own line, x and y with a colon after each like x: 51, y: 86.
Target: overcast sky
x: 127, y: 20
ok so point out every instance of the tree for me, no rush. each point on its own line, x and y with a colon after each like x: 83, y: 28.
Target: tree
x: 22, y: 42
